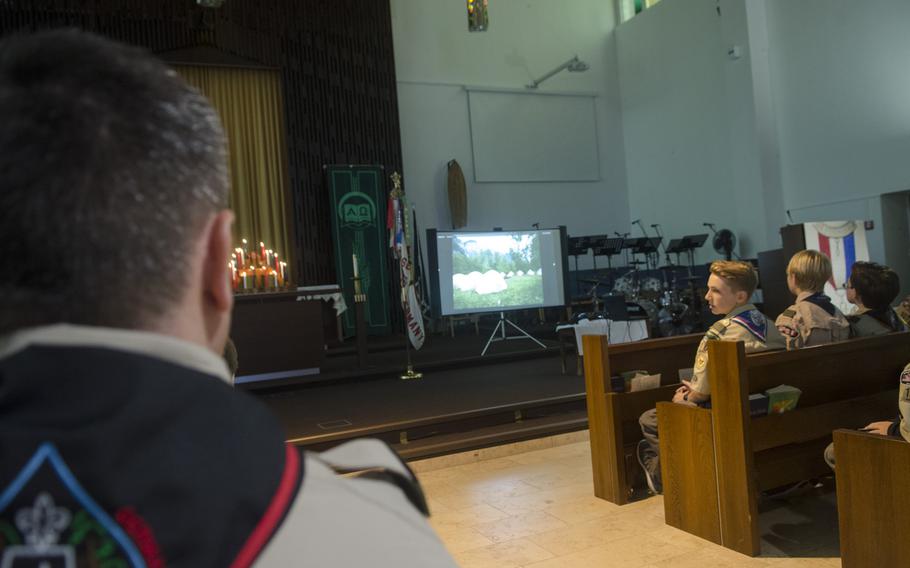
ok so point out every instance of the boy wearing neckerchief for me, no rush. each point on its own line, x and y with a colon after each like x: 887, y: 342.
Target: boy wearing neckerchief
x: 730, y: 286
x: 813, y: 319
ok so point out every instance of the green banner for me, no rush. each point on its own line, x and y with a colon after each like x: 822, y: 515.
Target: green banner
x: 358, y: 201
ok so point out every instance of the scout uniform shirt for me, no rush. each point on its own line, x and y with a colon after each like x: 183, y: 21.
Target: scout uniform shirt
x: 866, y: 322
x: 745, y: 324
x: 903, y: 404
x: 131, y: 448
x: 815, y: 320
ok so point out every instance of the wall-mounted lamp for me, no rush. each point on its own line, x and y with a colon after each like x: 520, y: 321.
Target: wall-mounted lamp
x: 574, y: 65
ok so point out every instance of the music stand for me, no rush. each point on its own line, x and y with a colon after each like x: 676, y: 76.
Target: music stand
x: 692, y: 242
x: 676, y: 247
x: 577, y: 247
x: 629, y: 245
x: 593, y: 241
x: 603, y: 245
x: 648, y: 246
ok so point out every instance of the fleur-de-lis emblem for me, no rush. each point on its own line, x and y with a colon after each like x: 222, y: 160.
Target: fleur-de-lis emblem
x: 42, y: 523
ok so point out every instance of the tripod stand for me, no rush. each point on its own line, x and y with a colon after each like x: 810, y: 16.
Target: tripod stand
x: 501, y: 327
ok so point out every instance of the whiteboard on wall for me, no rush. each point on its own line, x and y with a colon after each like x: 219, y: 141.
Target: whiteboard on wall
x: 521, y: 136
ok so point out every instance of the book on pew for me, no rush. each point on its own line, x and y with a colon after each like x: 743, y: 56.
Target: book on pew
x: 623, y: 381
x: 617, y: 383
x: 758, y: 404
x: 644, y: 382
x: 782, y: 398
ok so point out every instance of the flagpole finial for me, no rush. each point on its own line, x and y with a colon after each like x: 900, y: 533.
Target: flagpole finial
x: 396, y: 181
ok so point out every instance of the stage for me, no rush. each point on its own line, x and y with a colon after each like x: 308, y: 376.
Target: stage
x: 464, y: 401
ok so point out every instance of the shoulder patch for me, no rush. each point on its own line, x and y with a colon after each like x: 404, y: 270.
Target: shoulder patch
x: 754, y: 322
x: 48, y: 519
x: 717, y: 330
x: 789, y: 313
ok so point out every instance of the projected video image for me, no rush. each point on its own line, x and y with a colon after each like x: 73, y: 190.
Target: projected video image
x: 490, y: 271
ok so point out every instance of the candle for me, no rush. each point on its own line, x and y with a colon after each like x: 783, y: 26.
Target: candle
x: 246, y: 245
x: 262, y: 250
x: 284, y: 276
x: 268, y: 257
x: 356, y: 270
x: 245, y: 279
x: 277, y: 264
x: 274, y: 279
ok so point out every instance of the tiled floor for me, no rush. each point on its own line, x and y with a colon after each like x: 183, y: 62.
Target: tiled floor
x: 538, y: 509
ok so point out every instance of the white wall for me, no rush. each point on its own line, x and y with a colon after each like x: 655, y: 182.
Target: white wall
x: 693, y: 150
x: 435, y: 57
x: 841, y: 86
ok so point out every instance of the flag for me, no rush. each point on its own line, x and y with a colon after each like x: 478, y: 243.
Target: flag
x: 400, y: 238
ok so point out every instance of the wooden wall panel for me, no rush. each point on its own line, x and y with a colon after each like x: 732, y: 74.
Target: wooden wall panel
x: 337, y: 65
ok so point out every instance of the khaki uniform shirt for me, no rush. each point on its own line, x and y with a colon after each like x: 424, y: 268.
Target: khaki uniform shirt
x: 745, y: 324
x: 813, y: 325
x: 903, y: 403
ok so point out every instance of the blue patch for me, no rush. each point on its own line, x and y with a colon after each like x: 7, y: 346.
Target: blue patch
x: 48, y: 519
x: 755, y: 322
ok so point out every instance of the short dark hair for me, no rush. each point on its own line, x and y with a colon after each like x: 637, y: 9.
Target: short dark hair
x: 109, y: 166
x: 876, y: 285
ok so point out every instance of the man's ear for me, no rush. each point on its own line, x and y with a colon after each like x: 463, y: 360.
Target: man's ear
x: 742, y: 297
x: 216, y: 282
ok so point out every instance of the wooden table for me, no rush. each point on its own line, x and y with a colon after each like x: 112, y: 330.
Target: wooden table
x: 277, y: 336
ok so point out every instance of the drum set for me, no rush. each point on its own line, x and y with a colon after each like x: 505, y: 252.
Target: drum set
x: 669, y: 296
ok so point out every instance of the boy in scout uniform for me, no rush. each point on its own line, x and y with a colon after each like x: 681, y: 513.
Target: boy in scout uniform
x: 871, y: 288
x: 813, y: 319
x: 730, y: 286
x: 899, y: 427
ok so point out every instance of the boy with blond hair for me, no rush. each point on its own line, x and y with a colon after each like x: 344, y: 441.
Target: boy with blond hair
x: 730, y: 286
x: 813, y: 319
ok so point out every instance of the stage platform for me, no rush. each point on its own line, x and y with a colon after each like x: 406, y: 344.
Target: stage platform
x: 463, y: 402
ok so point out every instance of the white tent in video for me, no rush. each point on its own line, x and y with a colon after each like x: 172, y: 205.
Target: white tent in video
x: 497, y: 271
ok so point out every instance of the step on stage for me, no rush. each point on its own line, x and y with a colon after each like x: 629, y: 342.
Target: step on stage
x: 463, y: 402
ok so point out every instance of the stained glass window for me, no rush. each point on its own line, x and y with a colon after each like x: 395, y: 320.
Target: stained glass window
x: 478, y: 16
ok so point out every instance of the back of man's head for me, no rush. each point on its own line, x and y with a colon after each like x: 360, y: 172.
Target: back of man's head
x: 110, y: 166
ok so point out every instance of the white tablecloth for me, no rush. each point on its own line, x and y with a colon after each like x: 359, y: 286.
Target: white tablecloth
x: 328, y: 293
x: 616, y: 331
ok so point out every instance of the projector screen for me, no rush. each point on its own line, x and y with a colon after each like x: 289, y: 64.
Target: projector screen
x: 497, y: 271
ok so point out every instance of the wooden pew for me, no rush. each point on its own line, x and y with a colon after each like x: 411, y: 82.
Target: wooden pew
x: 613, y: 417
x: 872, y: 501
x: 714, y: 462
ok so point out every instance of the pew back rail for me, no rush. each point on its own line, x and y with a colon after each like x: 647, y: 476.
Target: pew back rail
x: 844, y: 385
x: 612, y: 416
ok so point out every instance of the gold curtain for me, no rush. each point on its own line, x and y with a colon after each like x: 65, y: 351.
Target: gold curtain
x: 250, y: 104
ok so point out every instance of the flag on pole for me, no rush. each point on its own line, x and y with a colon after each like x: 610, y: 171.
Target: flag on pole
x: 400, y: 239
